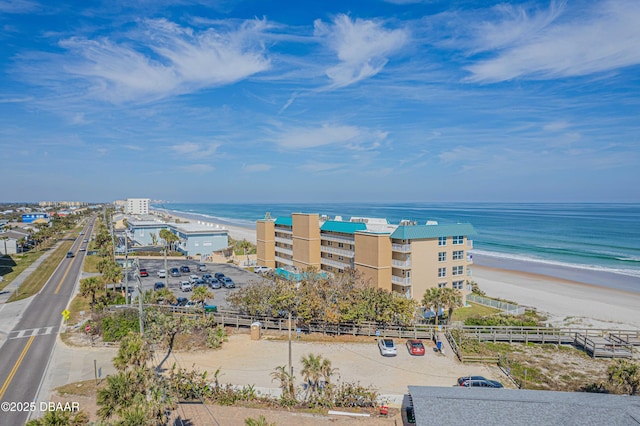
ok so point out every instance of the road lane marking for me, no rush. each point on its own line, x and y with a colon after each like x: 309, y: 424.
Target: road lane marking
x: 15, y: 367
x: 65, y: 275
x: 42, y: 331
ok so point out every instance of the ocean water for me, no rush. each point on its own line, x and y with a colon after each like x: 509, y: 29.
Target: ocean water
x: 577, y: 240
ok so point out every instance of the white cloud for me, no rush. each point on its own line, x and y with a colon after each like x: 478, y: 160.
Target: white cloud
x: 183, y: 60
x: 555, y: 126
x: 195, y: 150
x: 349, y: 137
x: 550, y: 45
x: 362, y: 47
x: 317, y: 167
x: 18, y: 6
x: 251, y: 168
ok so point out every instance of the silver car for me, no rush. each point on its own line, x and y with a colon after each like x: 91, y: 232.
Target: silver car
x: 387, y: 347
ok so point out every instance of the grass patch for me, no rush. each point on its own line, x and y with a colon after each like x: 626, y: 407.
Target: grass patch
x: 86, y: 388
x: 79, y: 304
x: 473, y: 310
x: 17, y: 263
x: 40, y: 276
x: 90, y: 264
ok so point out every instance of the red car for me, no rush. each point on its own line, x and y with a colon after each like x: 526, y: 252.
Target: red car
x: 415, y: 347
x: 143, y: 272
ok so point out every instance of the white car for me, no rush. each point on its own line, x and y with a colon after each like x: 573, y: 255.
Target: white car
x: 387, y: 347
x: 260, y: 269
x: 193, y: 278
x: 186, y: 286
x: 162, y: 273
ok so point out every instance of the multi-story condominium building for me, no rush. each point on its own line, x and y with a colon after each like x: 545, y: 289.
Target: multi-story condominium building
x: 407, y: 258
x: 137, y: 206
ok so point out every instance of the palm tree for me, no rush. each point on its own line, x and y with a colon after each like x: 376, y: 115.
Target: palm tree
x: 626, y: 375
x: 169, y: 238
x: 134, y: 352
x: 165, y: 295
x: 316, y: 372
x: 451, y: 299
x: 119, y: 392
x: 90, y: 286
x: 200, y: 295
x: 286, y: 381
x: 432, y: 299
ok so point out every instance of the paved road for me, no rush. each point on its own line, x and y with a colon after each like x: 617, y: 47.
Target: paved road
x: 26, y: 352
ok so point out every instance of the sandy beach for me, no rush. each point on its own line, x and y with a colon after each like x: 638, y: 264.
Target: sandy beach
x: 235, y: 232
x: 565, y: 301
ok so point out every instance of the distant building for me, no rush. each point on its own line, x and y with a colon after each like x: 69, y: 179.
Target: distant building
x: 35, y: 217
x: 193, y: 238
x: 407, y: 258
x: 137, y: 206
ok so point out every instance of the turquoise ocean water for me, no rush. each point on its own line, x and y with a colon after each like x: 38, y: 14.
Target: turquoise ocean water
x: 591, y: 243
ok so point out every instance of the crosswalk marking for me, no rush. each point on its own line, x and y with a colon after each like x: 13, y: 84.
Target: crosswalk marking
x: 41, y: 331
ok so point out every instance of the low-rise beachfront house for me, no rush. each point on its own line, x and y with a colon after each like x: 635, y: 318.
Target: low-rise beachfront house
x: 194, y: 238
x: 407, y: 258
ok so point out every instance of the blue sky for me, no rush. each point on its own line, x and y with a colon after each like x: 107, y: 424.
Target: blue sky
x: 258, y: 101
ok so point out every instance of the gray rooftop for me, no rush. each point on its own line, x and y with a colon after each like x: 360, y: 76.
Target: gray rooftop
x: 458, y: 405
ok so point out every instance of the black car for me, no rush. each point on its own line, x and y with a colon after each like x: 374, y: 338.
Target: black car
x: 219, y: 275
x: 158, y: 285
x: 185, y: 269
x: 175, y: 272
x: 478, y: 382
x: 180, y: 301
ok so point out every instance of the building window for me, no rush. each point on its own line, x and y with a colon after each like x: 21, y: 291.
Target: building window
x: 442, y: 256
x: 458, y: 239
x: 458, y: 255
x: 340, y: 258
x: 442, y: 285
x: 442, y: 241
x: 340, y: 245
x: 458, y: 270
x: 329, y: 255
x: 442, y: 272
x: 329, y: 243
x: 329, y: 268
x: 469, y: 288
x: 457, y: 285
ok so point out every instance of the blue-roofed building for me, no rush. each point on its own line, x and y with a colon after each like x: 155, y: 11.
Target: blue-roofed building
x: 407, y: 257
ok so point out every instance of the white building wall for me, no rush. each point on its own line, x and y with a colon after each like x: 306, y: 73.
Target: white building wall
x: 137, y: 206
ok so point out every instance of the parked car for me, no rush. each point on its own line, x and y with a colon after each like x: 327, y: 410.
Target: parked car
x: 214, y: 284
x: 185, y: 269
x: 180, y: 301
x: 199, y: 283
x: 415, y: 347
x: 191, y: 304
x: 261, y: 269
x: 387, y: 347
x: 193, y: 278
x: 161, y: 273
x: 144, y: 272
x: 478, y: 382
x: 227, y: 282
x: 186, y: 286
x: 175, y: 272
x: 207, y: 277
x: 202, y: 267
x: 158, y: 285
x: 218, y: 275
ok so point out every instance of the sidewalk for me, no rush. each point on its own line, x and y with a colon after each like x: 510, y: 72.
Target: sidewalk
x: 11, y: 313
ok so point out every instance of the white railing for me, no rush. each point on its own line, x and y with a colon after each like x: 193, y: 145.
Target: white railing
x: 283, y: 260
x: 508, y: 308
x: 401, y: 281
x: 284, y: 230
x: 284, y: 250
x: 284, y: 240
x: 401, y: 263
x: 469, y: 259
x: 335, y: 264
x: 470, y: 244
x: 401, y: 247
x: 336, y: 238
x: 335, y: 250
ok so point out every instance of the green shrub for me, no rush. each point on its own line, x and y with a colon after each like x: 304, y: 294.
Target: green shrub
x: 116, y: 326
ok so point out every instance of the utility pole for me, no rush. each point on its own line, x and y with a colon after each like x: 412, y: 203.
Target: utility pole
x: 140, y: 311
x: 126, y: 266
x: 290, y: 363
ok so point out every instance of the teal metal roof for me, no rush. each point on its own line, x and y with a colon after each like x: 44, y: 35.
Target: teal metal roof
x: 343, y: 227
x: 286, y: 221
x: 417, y: 232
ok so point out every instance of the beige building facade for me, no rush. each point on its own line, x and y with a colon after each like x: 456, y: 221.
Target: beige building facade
x: 406, y: 258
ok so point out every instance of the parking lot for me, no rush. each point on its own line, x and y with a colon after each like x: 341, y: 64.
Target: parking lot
x: 239, y: 276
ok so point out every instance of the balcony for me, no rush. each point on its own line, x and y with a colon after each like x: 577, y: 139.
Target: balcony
x: 284, y: 261
x: 335, y: 264
x: 404, y: 264
x: 469, y: 259
x: 284, y: 240
x: 403, y: 248
x: 400, y: 280
x: 337, y: 239
x: 338, y: 251
x: 284, y: 230
x: 284, y: 250
x: 470, y: 244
